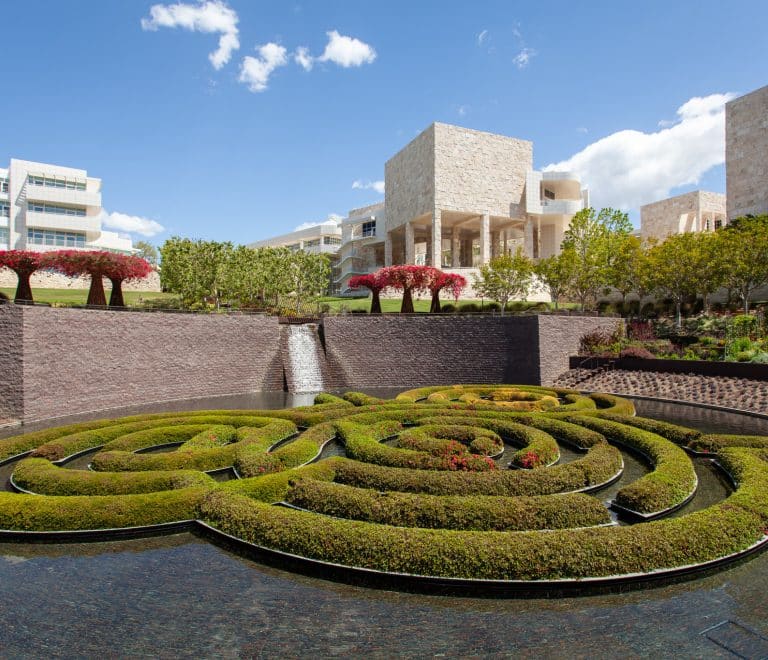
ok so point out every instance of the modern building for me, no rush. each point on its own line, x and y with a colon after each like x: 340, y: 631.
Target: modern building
x: 48, y: 207
x: 746, y: 154
x: 470, y: 195
x: 695, y: 211
x: 322, y: 238
x: 454, y: 198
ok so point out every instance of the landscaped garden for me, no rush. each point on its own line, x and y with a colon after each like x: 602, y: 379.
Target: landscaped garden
x: 458, y: 483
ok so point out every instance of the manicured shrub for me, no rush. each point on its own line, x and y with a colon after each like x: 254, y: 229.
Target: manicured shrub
x: 42, y: 477
x: 478, y: 513
x: 715, y: 442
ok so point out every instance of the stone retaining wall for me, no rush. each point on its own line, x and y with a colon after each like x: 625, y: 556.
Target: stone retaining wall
x: 59, y: 361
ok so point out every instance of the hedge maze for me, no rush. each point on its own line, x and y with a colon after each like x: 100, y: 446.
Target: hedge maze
x: 455, y: 482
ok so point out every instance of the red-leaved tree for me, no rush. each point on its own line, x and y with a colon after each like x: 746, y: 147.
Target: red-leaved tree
x: 376, y: 282
x: 453, y: 282
x: 23, y: 263
x: 125, y: 267
x: 97, y: 265
x: 408, y: 279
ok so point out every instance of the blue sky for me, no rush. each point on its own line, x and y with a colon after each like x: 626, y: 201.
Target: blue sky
x: 242, y: 143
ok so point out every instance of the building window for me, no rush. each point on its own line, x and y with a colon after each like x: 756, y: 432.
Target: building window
x: 548, y: 194
x: 44, y: 207
x: 331, y: 240
x: 293, y: 247
x: 3, y: 185
x: 55, y: 238
x: 369, y: 228
x: 5, y: 209
x: 4, y: 236
x: 313, y: 243
x: 55, y: 182
x: 718, y: 223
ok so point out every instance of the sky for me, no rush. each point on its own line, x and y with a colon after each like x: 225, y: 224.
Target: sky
x: 242, y: 119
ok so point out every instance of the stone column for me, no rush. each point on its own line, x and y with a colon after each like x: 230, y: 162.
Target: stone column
x: 437, y: 240
x: 485, y: 239
x: 538, y: 237
x: 528, y: 238
x: 466, y: 253
x: 504, y: 236
x: 495, y: 244
x: 388, y: 249
x: 455, y: 248
x: 410, y: 245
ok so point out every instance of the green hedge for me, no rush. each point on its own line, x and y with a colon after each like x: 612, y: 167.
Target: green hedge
x: 601, y: 463
x: 672, y: 480
x: 42, y: 477
x: 37, y: 513
x: 706, y: 535
x: 715, y: 442
x: 456, y: 512
x: 611, y: 403
x: 252, y: 459
x: 214, y: 436
x: 431, y: 438
x: 680, y: 435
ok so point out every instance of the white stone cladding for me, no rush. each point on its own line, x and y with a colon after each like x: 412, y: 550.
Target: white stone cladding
x: 746, y: 154
x: 690, y: 212
x: 477, y: 171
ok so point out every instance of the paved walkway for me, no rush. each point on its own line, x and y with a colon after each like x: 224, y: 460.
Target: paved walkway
x: 736, y: 393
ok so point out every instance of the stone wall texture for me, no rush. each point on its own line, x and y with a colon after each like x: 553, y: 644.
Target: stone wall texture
x: 478, y: 171
x: 746, y: 154
x: 86, y: 360
x: 681, y: 213
x: 371, y: 351
x: 56, y: 361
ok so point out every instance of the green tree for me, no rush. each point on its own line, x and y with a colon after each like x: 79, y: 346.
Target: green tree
x: 505, y: 277
x: 306, y: 276
x: 674, y: 269
x: 594, y: 238
x: 192, y: 269
x: 625, y: 269
x: 244, y: 276
x: 556, y: 274
x: 744, y: 247
x: 146, y: 251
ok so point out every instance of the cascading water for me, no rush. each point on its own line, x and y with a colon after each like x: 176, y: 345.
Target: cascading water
x: 304, y: 359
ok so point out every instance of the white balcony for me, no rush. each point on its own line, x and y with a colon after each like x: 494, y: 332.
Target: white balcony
x: 561, y: 206
x: 63, y: 196
x: 63, y: 222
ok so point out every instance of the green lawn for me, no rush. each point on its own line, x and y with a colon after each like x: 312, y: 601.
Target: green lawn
x: 79, y: 296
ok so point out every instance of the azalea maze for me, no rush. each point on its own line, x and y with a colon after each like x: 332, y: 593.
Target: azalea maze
x: 494, y: 487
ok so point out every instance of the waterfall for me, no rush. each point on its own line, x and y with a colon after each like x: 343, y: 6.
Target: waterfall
x: 305, y: 355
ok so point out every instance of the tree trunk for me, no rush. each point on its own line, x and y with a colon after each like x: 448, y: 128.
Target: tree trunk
x: 116, y: 297
x: 745, y: 296
x: 23, y: 289
x: 96, y: 292
x: 375, y: 302
x: 435, y: 308
x: 678, y: 314
x: 407, y: 305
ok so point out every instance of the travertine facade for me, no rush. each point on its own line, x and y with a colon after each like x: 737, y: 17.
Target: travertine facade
x: 691, y: 212
x: 746, y: 154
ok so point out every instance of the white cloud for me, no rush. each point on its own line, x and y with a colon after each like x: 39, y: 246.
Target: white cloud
x: 255, y: 71
x: 303, y: 58
x: 209, y: 16
x: 582, y: 129
x: 333, y: 219
x: 630, y: 168
x: 462, y: 110
x: 378, y: 186
x: 346, y: 51
x: 133, y: 224
x: 523, y: 58
x: 481, y: 37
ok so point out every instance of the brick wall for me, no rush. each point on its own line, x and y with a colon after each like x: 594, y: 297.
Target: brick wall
x: 85, y: 360
x: 11, y: 393
x: 371, y: 351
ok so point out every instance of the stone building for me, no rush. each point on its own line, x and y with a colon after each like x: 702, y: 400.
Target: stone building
x: 690, y: 212
x: 470, y: 195
x: 746, y: 154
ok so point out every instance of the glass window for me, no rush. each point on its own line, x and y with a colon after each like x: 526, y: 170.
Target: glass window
x: 5, y: 208
x: 4, y: 185
x: 331, y: 240
x: 55, y: 238
x: 44, y: 207
x: 548, y: 194
x: 55, y: 182
x: 4, y: 236
x: 369, y: 228
x: 313, y: 243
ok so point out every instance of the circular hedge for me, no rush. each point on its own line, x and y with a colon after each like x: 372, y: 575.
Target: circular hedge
x: 418, y: 485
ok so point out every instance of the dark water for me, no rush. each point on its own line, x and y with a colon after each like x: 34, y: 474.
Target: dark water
x: 180, y: 596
